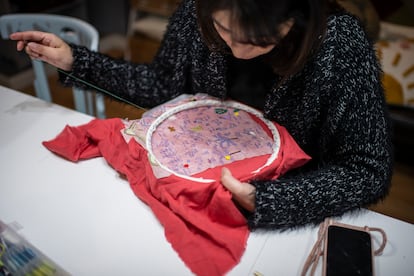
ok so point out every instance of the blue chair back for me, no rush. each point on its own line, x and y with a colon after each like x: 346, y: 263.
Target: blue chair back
x: 70, y: 29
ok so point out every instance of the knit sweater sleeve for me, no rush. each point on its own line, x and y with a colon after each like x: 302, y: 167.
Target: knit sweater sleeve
x: 144, y: 84
x: 353, y: 164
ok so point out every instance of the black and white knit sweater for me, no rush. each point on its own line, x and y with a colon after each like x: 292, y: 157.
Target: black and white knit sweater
x: 334, y: 108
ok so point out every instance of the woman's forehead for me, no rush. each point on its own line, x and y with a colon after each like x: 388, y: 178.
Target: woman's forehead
x: 223, y: 23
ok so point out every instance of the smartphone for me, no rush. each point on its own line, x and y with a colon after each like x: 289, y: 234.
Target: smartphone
x: 348, y: 251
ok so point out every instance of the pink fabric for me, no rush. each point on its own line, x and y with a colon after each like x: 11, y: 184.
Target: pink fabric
x: 197, y: 139
x: 200, y: 219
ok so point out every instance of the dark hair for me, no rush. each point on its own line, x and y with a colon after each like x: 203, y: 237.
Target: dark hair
x: 259, y: 21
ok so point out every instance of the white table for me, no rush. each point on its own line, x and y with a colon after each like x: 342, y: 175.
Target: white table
x: 87, y: 219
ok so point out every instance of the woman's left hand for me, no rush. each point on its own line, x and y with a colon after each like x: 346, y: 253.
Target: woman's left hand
x: 243, y: 193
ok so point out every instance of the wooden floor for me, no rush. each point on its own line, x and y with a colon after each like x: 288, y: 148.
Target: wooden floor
x: 398, y: 204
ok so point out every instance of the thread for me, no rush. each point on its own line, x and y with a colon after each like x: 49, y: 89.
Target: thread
x: 106, y: 92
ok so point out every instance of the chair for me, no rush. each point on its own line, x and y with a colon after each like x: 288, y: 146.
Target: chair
x: 147, y: 23
x: 71, y: 30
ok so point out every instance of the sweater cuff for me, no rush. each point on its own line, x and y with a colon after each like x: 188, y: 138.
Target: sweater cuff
x: 267, y: 214
x: 79, y: 67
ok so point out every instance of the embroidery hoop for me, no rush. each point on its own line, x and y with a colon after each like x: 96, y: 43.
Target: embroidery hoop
x: 210, y: 103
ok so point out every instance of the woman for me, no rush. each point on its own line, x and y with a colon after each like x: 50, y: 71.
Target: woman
x: 366, y: 12
x: 309, y: 66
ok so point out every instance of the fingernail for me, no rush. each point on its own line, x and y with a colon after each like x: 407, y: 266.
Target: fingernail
x: 33, y: 45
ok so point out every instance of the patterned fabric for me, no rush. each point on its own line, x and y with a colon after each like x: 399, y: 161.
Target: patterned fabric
x: 334, y: 108
x: 194, y: 133
x: 200, y: 219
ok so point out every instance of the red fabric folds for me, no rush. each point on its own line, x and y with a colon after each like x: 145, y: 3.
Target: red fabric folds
x: 200, y: 220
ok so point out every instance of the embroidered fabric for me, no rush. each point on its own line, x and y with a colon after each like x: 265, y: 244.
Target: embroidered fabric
x: 196, y: 133
x: 197, y: 216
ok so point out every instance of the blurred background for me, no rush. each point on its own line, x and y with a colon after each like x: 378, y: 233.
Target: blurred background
x: 132, y: 29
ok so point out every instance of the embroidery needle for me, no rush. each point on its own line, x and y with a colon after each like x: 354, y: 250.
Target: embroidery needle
x: 228, y: 157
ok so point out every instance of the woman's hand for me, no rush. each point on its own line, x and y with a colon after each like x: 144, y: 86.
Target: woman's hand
x: 46, y: 47
x: 243, y: 193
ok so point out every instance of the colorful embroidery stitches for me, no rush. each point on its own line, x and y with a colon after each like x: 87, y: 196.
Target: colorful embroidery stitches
x: 190, y: 136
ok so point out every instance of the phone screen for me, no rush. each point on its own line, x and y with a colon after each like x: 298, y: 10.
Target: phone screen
x: 348, y: 252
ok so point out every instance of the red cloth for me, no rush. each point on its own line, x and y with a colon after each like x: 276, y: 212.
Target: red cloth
x: 200, y: 220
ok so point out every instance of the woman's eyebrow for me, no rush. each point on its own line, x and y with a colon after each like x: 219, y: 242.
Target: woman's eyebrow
x: 221, y: 26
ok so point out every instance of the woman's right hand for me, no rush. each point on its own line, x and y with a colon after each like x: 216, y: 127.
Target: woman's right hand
x: 46, y: 47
